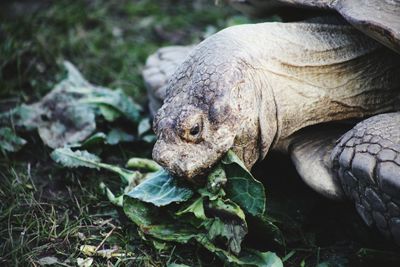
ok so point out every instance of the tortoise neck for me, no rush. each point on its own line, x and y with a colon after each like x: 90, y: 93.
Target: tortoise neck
x: 257, y: 127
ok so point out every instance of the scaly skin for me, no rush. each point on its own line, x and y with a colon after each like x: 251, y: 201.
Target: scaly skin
x: 367, y: 161
x: 251, y: 87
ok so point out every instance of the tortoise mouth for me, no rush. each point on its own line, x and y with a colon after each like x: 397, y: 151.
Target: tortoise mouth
x: 176, y: 162
x: 185, y: 162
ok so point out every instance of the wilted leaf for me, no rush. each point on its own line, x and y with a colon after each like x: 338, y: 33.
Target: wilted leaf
x: 59, y: 118
x: 67, y: 114
x: 230, y: 223
x: 75, y: 78
x: 233, y: 231
x: 66, y: 123
x: 23, y: 116
x: 84, y: 262
x: 160, y: 189
x: 9, y: 141
x: 73, y: 159
x: 49, y: 260
x: 68, y: 158
x: 89, y: 250
x: 241, y: 186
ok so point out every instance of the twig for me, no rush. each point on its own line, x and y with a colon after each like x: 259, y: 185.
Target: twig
x: 105, y: 238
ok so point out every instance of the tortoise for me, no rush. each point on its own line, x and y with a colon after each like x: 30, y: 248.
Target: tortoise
x: 325, y: 90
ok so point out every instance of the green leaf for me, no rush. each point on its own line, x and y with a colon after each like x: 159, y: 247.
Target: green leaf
x: 241, y: 187
x: 23, y: 116
x: 144, y: 126
x: 109, y: 113
x: 118, y: 201
x: 174, y: 232
x: 116, y: 100
x: 9, y: 141
x: 153, y: 222
x: 149, y: 138
x: 116, y: 136
x: 216, y: 179
x: 197, y: 208
x: 230, y: 223
x: 261, y: 259
x: 72, y: 159
x: 233, y: 231
x: 177, y: 265
x: 227, y: 209
x: 247, y: 258
x: 74, y: 77
x: 225, y: 220
x: 142, y: 214
x: 68, y: 158
x: 161, y: 189
x: 97, y: 138
x: 143, y: 164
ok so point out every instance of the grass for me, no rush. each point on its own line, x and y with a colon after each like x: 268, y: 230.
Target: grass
x: 47, y: 211
x: 107, y: 40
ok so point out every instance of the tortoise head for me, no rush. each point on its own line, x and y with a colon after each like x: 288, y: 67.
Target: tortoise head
x: 195, y: 127
x: 213, y: 103
x: 189, y: 142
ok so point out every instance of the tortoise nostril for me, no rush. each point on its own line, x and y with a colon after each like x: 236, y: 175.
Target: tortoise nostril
x: 165, y: 123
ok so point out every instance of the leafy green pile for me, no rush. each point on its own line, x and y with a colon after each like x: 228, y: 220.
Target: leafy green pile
x: 75, y: 115
x: 168, y: 210
x: 71, y: 113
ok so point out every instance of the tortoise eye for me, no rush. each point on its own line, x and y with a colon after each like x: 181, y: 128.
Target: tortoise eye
x: 190, y: 126
x: 195, y: 130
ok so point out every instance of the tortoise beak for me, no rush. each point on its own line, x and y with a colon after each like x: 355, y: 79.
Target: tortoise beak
x: 175, y: 162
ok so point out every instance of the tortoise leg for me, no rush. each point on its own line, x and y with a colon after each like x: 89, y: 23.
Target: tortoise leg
x: 159, y: 67
x: 367, y: 162
x: 310, y: 151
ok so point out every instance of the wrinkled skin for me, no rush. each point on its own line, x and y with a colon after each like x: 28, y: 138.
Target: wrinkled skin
x: 251, y: 87
x: 201, y: 117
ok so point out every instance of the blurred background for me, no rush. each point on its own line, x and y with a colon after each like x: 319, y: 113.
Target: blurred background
x: 107, y: 40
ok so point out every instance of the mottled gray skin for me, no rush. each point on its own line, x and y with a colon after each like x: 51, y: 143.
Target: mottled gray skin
x: 367, y: 161
x: 197, y: 103
x: 214, y: 90
x: 251, y: 94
